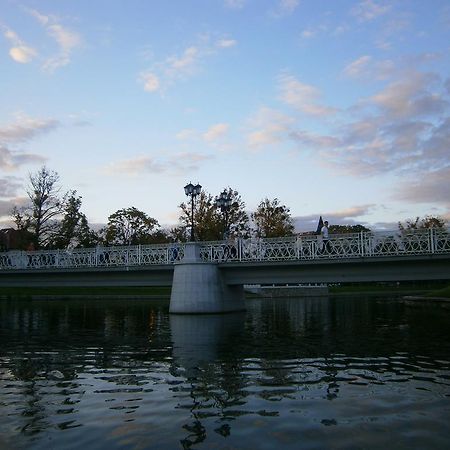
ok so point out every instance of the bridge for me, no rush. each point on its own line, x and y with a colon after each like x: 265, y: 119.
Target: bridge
x: 208, y: 276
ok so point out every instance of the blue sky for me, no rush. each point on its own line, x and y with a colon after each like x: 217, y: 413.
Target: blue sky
x: 337, y: 108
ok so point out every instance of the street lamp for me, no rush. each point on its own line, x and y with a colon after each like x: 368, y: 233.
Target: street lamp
x: 224, y: 202
x: 192, y: 191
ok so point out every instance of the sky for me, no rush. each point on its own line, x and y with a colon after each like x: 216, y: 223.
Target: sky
x: 337, y: 108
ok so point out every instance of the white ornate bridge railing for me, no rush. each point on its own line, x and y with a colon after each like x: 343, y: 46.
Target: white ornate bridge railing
x: 133, y: 255
x: 364, y: 244
x: 301, y: 247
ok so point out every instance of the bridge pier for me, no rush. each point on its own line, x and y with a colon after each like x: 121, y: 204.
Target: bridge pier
x: 199, y: 288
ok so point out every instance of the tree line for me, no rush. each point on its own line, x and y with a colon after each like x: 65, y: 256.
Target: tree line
x: 53, y: 219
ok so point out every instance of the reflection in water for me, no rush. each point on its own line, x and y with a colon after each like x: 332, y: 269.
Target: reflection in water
x: 198, y: 342
x: 294, y: 373
x: 199, y: 339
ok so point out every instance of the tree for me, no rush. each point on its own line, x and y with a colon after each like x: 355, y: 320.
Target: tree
x: 422, y: 224
x: 74, y: 230
x: 11, y: 239
x: 209, y: 221
x: 236, y: 219
x: 160, y: 236
x: 46, y: 205
x: 178, y: 233
x: 207, y: 224
x: 129, y: 226
x: 272, y: 219
x: 343, y: 229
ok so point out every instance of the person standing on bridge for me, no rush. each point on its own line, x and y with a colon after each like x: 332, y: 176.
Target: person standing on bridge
x: 326, y: 247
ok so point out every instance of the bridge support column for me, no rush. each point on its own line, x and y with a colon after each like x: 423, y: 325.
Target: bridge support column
x: 198, y: 287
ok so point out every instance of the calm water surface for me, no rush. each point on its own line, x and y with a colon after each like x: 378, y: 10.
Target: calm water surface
x: 347, y: 373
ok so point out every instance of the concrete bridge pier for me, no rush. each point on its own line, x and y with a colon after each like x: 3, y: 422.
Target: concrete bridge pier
x: 198, y: 287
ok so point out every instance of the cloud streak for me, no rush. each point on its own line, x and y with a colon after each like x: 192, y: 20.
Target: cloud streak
x: 349, y: 216
x: 216, y: 132
x: 174, y: 68
x: 9, y: 186
x: 434, y: 187
x: 302, y: 97
x: 24, y: 129
x: 285, y: 8
x: 268, y: 126
x: 234, y: 4
x: 66, y: 40
x: 369, y: 10
x: 173, y: 165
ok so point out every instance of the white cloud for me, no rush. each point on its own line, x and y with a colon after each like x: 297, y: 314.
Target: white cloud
x: 268, y: 126
x: 226, y: 43
x: 404, y: 129
x: 172, y: 165
x: 284, y: 8
x: 67, y: 40
x: 235, y: 4
x: 151, y: 81
x: 302, y: 97
x: 184, y: 64
x: 186, y: 134
x: 11, y: 160
x: 177, y: 67
x: 19, y: 52
x: 41, y: 18
x: 367, y: 68
x: 134, y: 166
x: 432, y: 188
x: 352, y: 212
x: 22, y: 130
x: 410, y: 96
x: 215, y: 132
x: 22, y: 54
x: 349, y: 216
x: 312, y: 141
x: 358, y: 67
x: 368, y: 10
x: 308, y: 34
x: 26, y: 128
x: 288, y: 6
x: 9, y: 186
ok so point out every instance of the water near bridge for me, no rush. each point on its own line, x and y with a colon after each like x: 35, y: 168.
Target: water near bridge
x: 290, y: 373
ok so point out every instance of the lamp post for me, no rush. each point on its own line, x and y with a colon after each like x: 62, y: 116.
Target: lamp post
x: 192, y: 191
x: 224, y: 202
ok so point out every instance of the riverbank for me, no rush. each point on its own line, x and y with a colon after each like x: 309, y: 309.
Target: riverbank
x: 422, y: 292
x: 84, y: 292
x: 434, y: 289
x: 426, y: 300
x: 440, y: 297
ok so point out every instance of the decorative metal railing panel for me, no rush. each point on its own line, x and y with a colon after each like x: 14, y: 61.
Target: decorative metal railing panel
x: 302, y: 247
x: 93, y: 257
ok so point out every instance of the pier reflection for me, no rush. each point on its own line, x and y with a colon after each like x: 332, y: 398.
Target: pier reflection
x: 198, y: 340
x: 214, y: 384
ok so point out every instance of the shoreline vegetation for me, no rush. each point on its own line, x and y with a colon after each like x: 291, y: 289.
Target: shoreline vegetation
x: 425, y: 291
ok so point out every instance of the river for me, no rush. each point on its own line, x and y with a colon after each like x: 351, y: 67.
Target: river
x: 291, y: 373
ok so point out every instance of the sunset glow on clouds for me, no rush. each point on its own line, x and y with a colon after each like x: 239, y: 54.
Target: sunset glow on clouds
x: 340, y: 110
